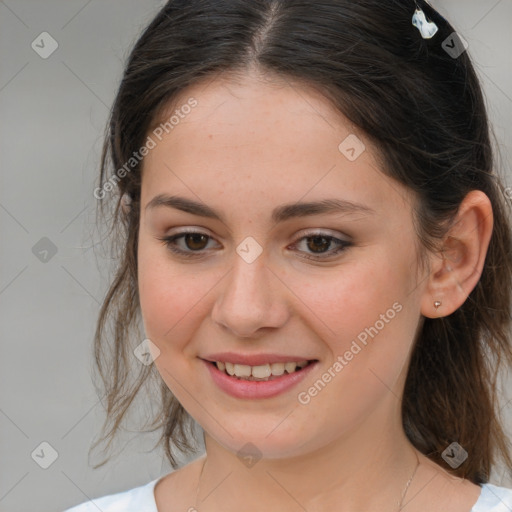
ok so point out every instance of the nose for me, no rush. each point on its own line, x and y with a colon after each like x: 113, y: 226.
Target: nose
x: 251, y: 300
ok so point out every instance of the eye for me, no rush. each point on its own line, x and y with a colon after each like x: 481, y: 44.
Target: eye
x: 318, y: 244
x: 193, y: 243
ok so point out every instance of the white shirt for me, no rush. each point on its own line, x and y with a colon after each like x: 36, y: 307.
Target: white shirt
x: 492, y: 498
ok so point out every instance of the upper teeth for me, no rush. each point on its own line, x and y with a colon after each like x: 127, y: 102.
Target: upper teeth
x: 261, y: 372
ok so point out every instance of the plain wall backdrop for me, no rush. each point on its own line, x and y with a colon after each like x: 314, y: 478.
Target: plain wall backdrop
x: 53, y: 113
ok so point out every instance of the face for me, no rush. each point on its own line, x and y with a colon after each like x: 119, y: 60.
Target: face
x: 255, y: 284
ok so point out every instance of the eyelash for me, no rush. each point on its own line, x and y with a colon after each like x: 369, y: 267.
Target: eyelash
x: 170, y: 243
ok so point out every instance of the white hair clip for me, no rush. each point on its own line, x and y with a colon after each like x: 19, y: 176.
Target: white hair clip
x: 427, y: 29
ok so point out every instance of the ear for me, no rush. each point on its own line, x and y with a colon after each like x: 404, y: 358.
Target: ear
x: 456, y: 271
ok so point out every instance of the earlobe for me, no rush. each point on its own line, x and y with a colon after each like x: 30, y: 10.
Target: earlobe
x: 457, y: 270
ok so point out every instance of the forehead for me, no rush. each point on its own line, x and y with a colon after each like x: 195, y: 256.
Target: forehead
x: 253, y: 137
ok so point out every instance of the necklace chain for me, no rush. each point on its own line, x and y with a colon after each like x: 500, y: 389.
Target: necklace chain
x: 409, y: 482
x: 399, y: 503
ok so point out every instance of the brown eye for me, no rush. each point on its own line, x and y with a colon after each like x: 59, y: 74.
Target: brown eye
x: 187, y: 243
x: 196, y: 241
x: 319, y: 243
x: 319, y: 246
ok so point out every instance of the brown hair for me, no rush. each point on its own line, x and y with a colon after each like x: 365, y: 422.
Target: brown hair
x: 422, y: 108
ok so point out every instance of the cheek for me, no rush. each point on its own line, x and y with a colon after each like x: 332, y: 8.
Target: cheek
x: 174, y: 299
x: 343, y: 301
x: 167, y: 297
x: 366, y: 315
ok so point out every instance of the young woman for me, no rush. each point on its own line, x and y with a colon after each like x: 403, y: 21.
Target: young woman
x: 317, y: 241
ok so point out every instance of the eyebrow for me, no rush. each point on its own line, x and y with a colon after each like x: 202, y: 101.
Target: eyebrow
x: 279, y: 214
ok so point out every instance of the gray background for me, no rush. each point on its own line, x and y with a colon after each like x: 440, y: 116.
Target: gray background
x: 53, y: 112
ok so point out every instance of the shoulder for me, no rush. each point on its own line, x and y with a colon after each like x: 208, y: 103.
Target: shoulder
x: 494, y: 498
x: 138, y: 499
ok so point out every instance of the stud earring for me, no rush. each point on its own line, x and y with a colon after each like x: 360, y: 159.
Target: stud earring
x: 437, y: 303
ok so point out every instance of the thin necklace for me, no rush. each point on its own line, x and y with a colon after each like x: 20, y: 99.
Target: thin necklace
x: 409, y: 482
x: 399, y: 502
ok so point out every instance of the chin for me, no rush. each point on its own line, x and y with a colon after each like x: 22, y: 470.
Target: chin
x: 264, y: 439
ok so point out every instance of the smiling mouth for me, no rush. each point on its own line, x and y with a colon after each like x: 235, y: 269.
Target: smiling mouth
x: 263, y: 372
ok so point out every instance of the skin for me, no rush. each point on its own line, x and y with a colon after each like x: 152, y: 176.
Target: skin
x: 249, y: 146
